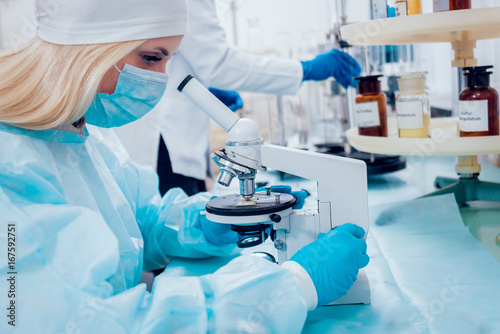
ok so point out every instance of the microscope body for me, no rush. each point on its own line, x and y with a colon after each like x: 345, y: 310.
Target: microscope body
x: 342, y: 195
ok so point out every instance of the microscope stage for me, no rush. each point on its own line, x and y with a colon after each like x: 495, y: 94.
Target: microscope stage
x: 259, y: 204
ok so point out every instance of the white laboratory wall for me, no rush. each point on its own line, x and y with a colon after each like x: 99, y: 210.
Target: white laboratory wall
x: 291, y: 29
x: 294, y: 29
x: 488, y: 51
x: 436, y: 60
x: 287, y: 28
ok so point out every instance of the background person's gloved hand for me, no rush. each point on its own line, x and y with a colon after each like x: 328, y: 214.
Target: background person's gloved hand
x: 230, y: 98
x: 334, y: 63
x: 333, y: 261
x: 300, y: 195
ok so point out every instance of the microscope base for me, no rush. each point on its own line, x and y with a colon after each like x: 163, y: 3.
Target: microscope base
x: 359, y: 293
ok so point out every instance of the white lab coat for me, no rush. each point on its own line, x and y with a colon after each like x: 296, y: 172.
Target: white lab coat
x: 206, y: 54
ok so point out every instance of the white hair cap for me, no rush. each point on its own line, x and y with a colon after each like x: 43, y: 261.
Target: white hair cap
x: 71, y: 22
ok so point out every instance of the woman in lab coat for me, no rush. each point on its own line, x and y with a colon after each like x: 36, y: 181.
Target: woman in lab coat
x: 80, y: 220
x: 181, y: 157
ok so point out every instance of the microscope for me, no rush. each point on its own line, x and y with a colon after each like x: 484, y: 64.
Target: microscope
x: 342, y: 189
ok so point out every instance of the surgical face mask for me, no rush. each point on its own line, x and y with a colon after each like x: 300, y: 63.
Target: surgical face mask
x: 137, y: 93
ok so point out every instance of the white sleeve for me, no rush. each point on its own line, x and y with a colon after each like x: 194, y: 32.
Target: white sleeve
x: 302, y: 278
x: 70, y: 278
x: 218, y: 65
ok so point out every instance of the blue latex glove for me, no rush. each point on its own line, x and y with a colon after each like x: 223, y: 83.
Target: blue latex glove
x: 218, y: 234
x: 333, y: 261
x: 300, y: 195
x: 230, y: 98
x: 334, y: 63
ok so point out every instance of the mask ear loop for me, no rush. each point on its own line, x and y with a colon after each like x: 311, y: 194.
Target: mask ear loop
x: 78, y: 124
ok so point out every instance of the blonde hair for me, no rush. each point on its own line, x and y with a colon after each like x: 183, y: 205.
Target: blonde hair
x: 43, y: 85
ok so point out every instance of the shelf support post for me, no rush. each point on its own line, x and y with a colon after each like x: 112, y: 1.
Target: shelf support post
x: 464, y: 52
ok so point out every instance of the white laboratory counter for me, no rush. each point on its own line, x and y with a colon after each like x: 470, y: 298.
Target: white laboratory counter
x: 428, y: 274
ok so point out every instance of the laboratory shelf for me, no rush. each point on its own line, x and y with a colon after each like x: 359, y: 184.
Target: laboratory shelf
x: 444, y: 141
x: 449, y: 26
x: 462, y: 28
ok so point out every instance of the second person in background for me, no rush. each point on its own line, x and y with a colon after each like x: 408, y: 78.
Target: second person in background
x: 174, y: 137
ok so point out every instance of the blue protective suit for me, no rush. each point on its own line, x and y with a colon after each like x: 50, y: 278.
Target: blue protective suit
x: 88, y: 220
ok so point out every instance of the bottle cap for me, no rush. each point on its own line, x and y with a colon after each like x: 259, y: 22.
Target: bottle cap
x: 413, y: 74
x: 413, y: 82
x: 369, y: 84
x: 477, y: 76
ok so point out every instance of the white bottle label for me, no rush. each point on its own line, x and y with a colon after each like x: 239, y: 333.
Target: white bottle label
x: 410, y: 114
x: 401, y: 8
x: 367, y: 114
x: 473, y: 115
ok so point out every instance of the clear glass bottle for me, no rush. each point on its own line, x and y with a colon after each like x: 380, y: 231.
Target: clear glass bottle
x: 371, y: 107
x: 412, y: 106
x: 478, y: 104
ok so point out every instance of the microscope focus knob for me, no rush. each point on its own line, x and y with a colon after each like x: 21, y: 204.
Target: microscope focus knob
x: 279, y: 244
x: 275, y: 218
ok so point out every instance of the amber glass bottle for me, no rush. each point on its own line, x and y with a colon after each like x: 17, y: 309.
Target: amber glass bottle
x: 478, y: 105
x: 460, y: 4
x: 370, y: 107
